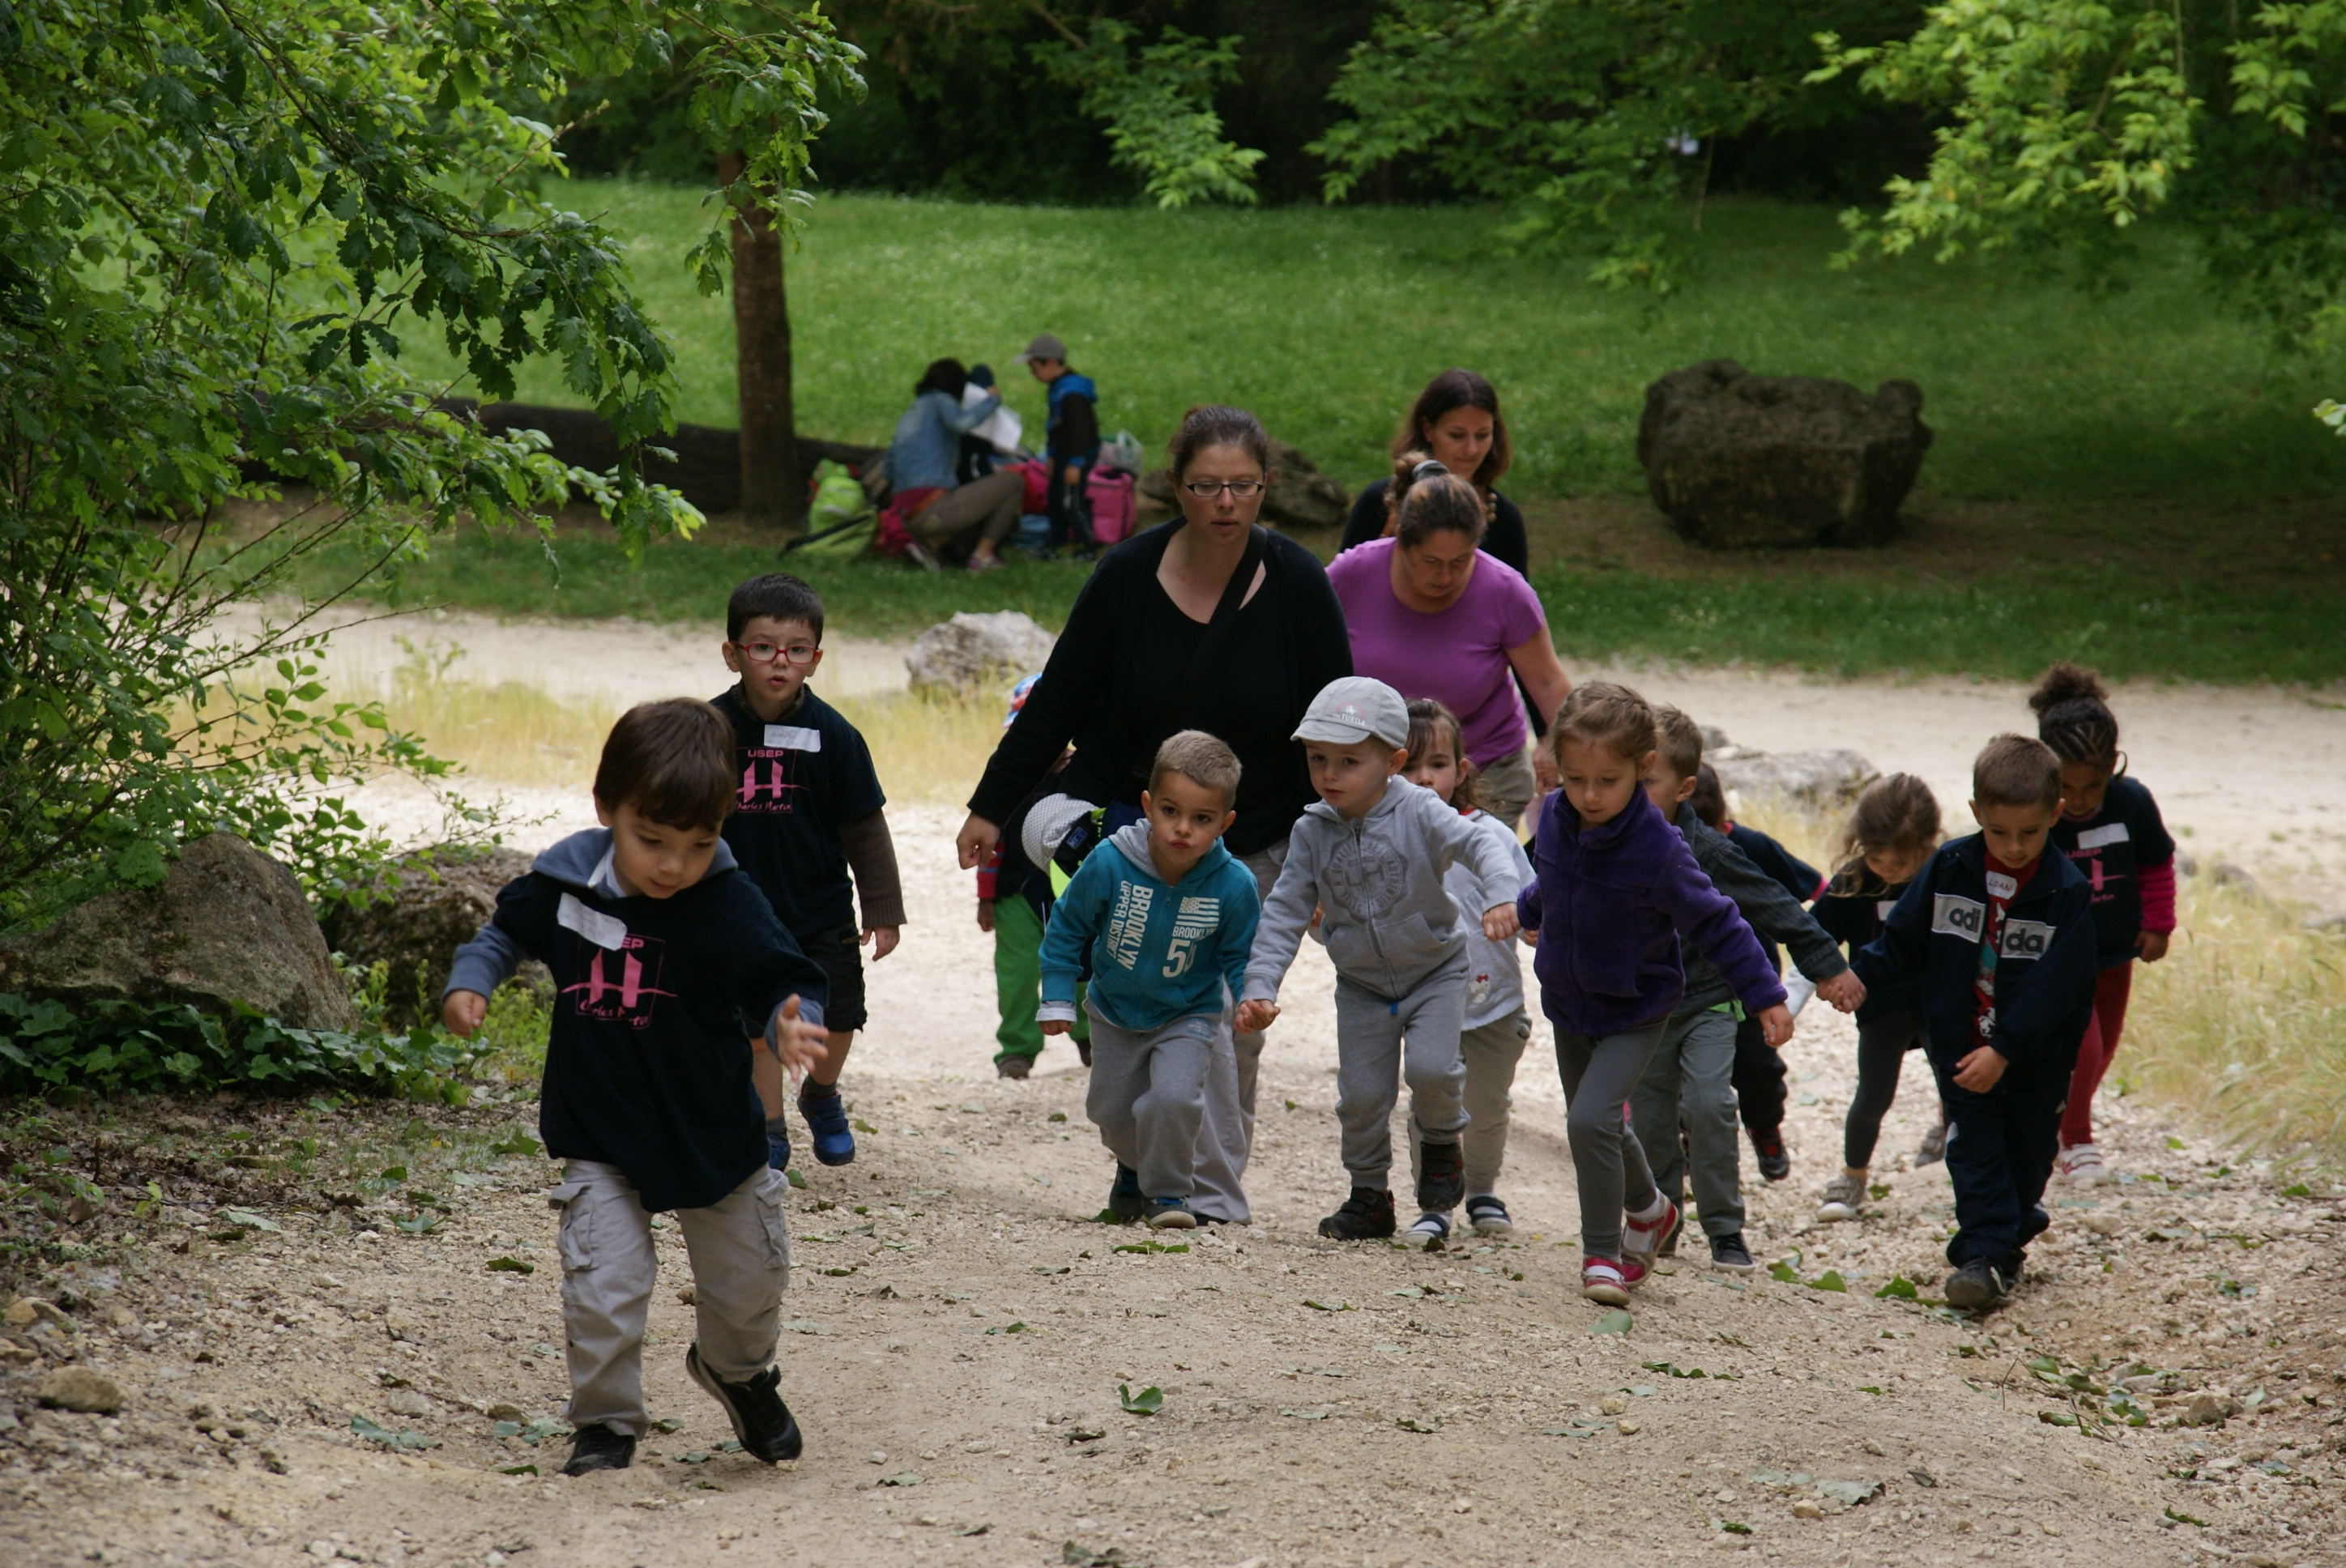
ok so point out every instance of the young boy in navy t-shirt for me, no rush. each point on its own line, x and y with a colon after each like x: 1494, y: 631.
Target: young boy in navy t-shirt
x: 808, y: 812
x: 1998, y: 936
x: 667, y: 962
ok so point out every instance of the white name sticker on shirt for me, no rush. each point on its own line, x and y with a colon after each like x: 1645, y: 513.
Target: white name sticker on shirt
x: 2108, y: 833
x: 2001, y: 886
x: 2024, y: 939
x: 1956, y: 916
x: 603, y: 931
x: 794, y: 738
x: 1881, y: 907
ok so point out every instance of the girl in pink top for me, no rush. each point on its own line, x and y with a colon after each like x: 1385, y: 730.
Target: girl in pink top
x: 1431, y: 616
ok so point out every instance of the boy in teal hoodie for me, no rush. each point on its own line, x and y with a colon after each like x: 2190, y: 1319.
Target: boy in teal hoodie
x: 1168, y: 916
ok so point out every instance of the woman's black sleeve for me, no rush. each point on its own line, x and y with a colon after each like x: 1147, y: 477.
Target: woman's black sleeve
x: 1506, y: 540
x: 1076, y: 682
x: 1367, y: 521
x: 1325, y: 645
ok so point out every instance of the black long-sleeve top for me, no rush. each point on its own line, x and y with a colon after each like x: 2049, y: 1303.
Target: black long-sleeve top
x: 1109, y: 688
x: 1503, y: 540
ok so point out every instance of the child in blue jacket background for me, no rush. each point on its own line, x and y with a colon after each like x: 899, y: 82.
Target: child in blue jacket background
x: 1167, y: 914
x: 2000, y: 937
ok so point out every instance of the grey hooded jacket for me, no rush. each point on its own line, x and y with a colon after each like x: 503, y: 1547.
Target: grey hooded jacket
x: 1766, y: 906
x: 1385, y: 916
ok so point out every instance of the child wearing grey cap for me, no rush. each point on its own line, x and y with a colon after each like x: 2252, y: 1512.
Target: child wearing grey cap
x: 1370, y: 855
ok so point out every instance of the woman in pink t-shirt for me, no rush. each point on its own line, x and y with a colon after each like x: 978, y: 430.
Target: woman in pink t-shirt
x: 1429, y: 616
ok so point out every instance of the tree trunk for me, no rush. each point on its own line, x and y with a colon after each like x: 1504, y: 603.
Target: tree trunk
x: 773, y: 490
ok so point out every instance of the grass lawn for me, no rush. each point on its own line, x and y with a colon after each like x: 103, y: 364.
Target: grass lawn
x: 1326, y: 322
x: 2136, y: 481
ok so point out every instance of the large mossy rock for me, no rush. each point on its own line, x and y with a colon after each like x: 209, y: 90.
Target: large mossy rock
x: 435, y: 903
x: 1737, y: 459
x: 229, y: 925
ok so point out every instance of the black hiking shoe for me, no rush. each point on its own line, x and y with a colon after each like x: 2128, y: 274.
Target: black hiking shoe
x: 1729, y: 1256
x: 1367, y: 1216
x: 1775, y: 1163
x: 596, y: 1447
x: 1977, y: 1286
x: 1125, y: 1201
x: 759, y: 1418
x: 1441, y: 1177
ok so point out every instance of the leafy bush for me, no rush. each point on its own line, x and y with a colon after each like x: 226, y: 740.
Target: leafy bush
x: 113, y: 1046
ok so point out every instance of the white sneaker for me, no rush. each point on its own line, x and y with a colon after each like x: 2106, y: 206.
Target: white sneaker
x: 1844, y: 1197
x: 2080, y: 1165
x: 1430, y: 1231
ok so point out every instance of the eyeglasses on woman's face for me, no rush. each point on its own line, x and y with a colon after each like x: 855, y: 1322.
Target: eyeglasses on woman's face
x: 1240, y: 489
x: 767, y: 653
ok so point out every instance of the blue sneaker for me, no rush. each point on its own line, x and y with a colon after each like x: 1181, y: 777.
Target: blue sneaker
x: 826, y: 1118
x: 778, y: 1145
x: 1171, y: 1214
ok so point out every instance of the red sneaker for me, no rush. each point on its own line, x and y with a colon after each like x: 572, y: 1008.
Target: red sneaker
x: 1605, y: 1281
x: 1641, y: 1238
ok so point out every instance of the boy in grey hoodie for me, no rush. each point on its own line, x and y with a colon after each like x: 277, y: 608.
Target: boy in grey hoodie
x: 1167, y: 915
x: 1370, y: 855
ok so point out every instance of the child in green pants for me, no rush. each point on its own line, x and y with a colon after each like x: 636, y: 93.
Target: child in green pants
x: 1010, y: 914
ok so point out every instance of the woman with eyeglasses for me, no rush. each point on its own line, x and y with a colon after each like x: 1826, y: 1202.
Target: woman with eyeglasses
x: 1431, y: 614
x: 1206, y: 623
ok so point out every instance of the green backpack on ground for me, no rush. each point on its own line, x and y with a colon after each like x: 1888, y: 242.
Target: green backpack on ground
x: 842, y: 522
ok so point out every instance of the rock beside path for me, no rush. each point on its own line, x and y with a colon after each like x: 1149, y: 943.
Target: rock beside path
x: 229, y: 925
x: 971, y: 653
x: 1821, y: 779
x: 437, y: 901
x: 1737, y: 459
x: 79, y: 1389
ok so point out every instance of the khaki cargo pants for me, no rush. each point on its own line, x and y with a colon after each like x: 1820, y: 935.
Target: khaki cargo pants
x: 740, y: 1253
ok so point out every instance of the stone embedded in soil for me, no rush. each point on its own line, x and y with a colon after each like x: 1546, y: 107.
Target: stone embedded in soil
x: 79, y: 1389
x: 406, y: 1402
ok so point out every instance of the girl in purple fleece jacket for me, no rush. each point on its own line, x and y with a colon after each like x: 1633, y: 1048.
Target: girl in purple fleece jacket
x: 1614, y: 890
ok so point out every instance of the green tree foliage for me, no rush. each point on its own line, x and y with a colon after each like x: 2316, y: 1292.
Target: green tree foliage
x: 2068, y: 122
x: 1591, y: 120
x: 1158, y: 104
x: 217, y: 218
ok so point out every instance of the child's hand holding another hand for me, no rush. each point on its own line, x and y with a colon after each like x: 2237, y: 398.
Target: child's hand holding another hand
x: 1979, y: 1070
x: 1256, y: 1016
x: 1776, y: 1026
x: 1055, y: 1026
x: 1845, y: 991
x: 462, y: 1012
x: 799, y: 1043
x: 1499, y: 922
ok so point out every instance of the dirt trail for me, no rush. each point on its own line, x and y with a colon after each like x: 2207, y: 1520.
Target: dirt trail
x: 959, y: 1327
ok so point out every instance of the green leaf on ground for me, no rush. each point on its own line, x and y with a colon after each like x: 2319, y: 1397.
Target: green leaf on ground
x: 1899, y: 1288
x: 1154, y: 1246
x: 1324, y: 1306
x: 1668, y: 1370
x: 1783, y: 1274
x: 1147, y: 1402
x: 1830, y: 1279
x: 1614, y: 1322
x: 394, y: 1173
x: 795, y: 1179
x: 1847, y: 1493
x: 421, y: 1225
x: 505, y: 1429
x: 1008, y: 1328
x: 403, y: 1438
x: 1411, y: 1424
x: 2185, y: 1518
x: 1414, y: 1292
x: 511, y: 1265
x: 516, y: 1143
x: 861, y: 1126
x: 245, y: 1217
x: 517, y: 1470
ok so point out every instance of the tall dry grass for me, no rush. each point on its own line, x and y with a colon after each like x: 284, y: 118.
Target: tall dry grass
x: 2240, y: 1030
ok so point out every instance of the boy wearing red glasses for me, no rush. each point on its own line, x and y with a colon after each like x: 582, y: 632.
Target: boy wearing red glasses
x: 809, y: 813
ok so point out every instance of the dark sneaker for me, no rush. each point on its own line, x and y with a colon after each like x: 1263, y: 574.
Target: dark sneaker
x: 1441, y: 1177
x: 1729, y: 1256
x: 1977, y: 1286
x: 1775, y: 1163
x: 1125, y: 1202
x: 1084, y: 1052
x: 596, y: 1447
x: 777, y: 1145
x: 1934, y: 1146
x: 759, y: 1418
x: 1367, y: 1216
x: 826, y: 1118
x: 1013, y: 1066
x: 1171, y: 1214
x: 1488, y: 1216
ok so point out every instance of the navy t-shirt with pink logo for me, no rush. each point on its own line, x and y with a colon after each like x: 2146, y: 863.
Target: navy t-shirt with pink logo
x: 802, y: 779
x: 2111, y: 850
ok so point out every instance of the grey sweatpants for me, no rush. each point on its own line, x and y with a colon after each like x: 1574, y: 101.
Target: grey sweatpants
x: 1490, y: 1052
x: 1599, y: 1072
x: 1382, y: 1041
x: 1692, y: 1079
x: 1148, y: 1097
x: 1227, y: 1139
x: 740, y: 1252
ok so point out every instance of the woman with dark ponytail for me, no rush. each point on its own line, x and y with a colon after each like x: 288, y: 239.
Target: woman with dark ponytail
x: 2110, y: 830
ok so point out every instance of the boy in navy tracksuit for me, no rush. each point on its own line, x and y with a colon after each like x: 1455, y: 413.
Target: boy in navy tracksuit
x: 1167, y: 915
x: 1071, y: 439
x: 667, y: 965
x: 2000, y: 937
x: 808, y: 811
